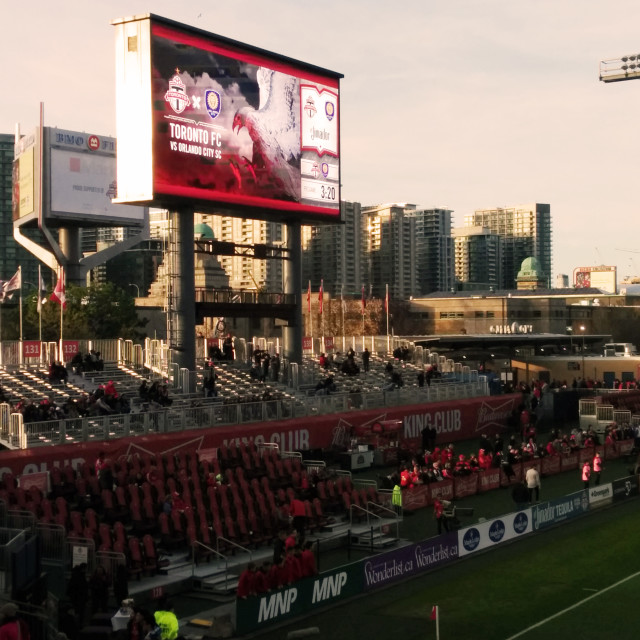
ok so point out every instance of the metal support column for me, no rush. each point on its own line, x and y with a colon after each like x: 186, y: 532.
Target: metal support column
x: 182, y: 306
x: 292, y: 334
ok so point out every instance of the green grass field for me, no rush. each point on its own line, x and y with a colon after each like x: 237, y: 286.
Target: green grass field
x: 581, y: 579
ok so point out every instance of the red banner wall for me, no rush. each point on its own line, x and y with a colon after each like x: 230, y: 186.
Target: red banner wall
x: 465, y: 486
x: 454, y: 421
x: 569, y: 461
x: 488, y: 480
x: 550, y: 465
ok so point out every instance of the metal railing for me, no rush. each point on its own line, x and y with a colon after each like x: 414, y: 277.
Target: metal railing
x: 208, y: 413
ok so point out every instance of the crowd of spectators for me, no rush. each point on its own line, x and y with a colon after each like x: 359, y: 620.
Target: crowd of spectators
x: 293, y: 561
x: 437, y: 464
x: 105, y: 400
x: 91, y: 361
x: 156, y: 395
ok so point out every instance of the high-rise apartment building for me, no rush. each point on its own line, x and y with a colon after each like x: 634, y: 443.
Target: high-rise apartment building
x: 389, y: 233
x: 12, y: 255
x: 333, y: 253
x: 478, y: 258
x: 526, y: 233
x: 245, y: 272
x: 435, y: 253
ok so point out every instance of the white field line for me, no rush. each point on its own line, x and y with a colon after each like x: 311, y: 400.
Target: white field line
x: 574, y: 606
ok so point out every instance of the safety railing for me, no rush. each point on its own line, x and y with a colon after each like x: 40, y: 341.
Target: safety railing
x: 224, y: 541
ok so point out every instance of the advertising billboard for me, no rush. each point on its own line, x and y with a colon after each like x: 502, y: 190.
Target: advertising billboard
x: 81, y: 177
x: 26, y: 175
x: 601, y: 277
x: 211, y: 123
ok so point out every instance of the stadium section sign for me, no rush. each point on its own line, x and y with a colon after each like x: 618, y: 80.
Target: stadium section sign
x: 209, y: 122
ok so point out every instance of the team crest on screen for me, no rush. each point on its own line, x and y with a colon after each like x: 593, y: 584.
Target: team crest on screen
x: 330, y: 110
x: 176, y: 96
x: 213, y: 102
x: 315, y: 170
x: 325, y: 169
x: 310, y: 107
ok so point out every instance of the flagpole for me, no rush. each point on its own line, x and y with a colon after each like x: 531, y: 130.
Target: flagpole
x: 61, y: 318
x: 20, y: 277
x: 342, y: 305
x: 437, y: 622
x: 40, y: 305
x: 362, y: 303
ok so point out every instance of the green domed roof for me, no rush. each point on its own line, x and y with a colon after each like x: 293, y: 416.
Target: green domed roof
x: 529, y: 267
x: 203, y: 231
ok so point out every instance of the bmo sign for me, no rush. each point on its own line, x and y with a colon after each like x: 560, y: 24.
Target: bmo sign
x: 514, y: 327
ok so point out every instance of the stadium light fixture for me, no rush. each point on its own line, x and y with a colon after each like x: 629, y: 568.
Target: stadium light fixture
x: 620, y: 69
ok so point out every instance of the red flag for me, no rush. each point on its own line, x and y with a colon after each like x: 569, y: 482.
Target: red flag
x: 320, y: 296
x: 309, y: 298
x: 58, y: 294
x: 434, y: 612
x: 364, y: 302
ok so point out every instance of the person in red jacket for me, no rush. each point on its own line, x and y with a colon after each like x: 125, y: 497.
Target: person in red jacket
x: 292, y: 561
x: 247, y: 582
x: 438, y: 512
x: 484, y: 459
x: 273, y: 576
x: 308, y: 560
x: 262, y: 578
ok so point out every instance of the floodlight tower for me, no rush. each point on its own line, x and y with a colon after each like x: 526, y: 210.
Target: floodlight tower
x: 620, y: 69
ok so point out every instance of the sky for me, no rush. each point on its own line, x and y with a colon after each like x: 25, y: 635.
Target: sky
x: 459, y: 104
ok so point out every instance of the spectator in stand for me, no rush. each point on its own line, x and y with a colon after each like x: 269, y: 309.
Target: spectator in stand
x: 12, y: 627
x: 262, y: 578
x: 405, y: 478
x: 291, y: 540
x: 323, y: 361
x: 292, y: 562
x: 273, y: 576
x: 179, y: 504
x: 78, y: 592
x: 151, y: 630
x: 227, y: 347
x: 462, y: 467
x: 247, y: 582
x: 365, y: 359
x: 586, y: 474
x: 299, y: 514
x: 484, y: 459
x: 278, y: 546
x: 275, y: 367
x: 308, y: 560
x: 99, y: 584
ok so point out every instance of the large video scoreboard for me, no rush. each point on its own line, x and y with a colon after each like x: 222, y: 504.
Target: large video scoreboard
x: 210, y: 123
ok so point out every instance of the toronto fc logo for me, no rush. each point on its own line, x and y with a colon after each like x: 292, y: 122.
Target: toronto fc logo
x: 176, y: 96
x: 310, y: 107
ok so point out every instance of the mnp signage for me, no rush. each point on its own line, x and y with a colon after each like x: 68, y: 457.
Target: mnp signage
x: 298, y: 598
